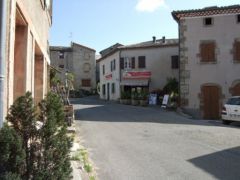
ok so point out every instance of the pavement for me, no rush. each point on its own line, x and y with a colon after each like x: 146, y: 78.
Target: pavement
x: 148, y: 143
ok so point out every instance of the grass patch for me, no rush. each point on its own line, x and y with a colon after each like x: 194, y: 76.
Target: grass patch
x: 91, y: 178
x: 88, y: 168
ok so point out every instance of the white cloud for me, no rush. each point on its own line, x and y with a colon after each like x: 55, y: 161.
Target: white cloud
x: 149, y: 5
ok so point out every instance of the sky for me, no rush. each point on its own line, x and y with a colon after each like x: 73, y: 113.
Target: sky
x: 99, y: 24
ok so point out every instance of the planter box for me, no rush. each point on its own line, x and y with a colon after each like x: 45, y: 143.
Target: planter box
x: 125, y: 101
x: 143, y: 102
x: 135, y: 102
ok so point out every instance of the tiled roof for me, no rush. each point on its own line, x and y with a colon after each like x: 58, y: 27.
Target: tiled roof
x: 152, y: 44
x: 110, y: 49
x: 208, y: 11
x: 143, y: 45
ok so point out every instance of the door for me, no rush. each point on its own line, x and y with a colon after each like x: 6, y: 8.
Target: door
x: 236, y: 90
x: 108, y: 91
x: 211, y: 102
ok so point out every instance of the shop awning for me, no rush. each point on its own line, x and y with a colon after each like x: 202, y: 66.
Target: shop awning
x: 135, y: 82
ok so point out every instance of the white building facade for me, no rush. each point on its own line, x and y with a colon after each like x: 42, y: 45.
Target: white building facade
x: 146, y: 65
x: 209, y: 58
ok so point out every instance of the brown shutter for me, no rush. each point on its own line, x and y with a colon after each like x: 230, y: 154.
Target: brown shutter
x: 237, y: 51
x: 203, y: 52
x: 141, y: 62
x: 207, y: 51
x: 86, y: 82
x: 133, y: 63
x: 211, y: 52
x: 121, y: 63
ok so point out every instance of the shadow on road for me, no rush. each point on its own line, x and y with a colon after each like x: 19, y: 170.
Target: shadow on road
x: 222, y: 165
x: 93, y: 109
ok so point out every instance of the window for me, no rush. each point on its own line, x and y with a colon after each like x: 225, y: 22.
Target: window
x: 237, y: 51
x: 141, y: 62
x: 121, y: 63
x: 113, y: 88
x: 133, y: 63
x: 113, y: 65
x: 103, y: 89
x: 127, y: 63
x: 208, y: 21
x: 238, y: 18
x: 86, y: 82
x: 207, y: 52
x: 175, y: 64
x: 61, y: 66
x: 61, y: 55
x: 103, y: 69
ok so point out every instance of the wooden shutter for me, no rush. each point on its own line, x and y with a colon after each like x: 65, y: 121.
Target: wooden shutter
x: 211, y: 52
x: 121, y: 63
x: 141, y: 62
x: 237, y: 51
x: 86, y: 82
x: 133, y: 63
x: 207, y: 51
x: 175, y: 64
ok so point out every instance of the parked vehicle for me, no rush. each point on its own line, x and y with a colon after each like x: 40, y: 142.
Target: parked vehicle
x: 231, y: 110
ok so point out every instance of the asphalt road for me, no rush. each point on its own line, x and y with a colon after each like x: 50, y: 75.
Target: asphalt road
x: 137, y: 143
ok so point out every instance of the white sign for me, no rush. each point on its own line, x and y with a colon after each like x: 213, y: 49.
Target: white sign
x: 165, y: 100
x: 153, y: 99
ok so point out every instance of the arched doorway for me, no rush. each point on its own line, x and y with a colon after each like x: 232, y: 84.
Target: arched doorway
x: 211, y: 101
x: 236, y: 90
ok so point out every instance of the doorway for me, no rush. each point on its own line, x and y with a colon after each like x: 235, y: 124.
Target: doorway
x: 211, y: 102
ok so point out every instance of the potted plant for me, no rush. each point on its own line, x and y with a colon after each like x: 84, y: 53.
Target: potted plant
x: 125, y: 97
x: 135, y: 98
x: 143, y: 98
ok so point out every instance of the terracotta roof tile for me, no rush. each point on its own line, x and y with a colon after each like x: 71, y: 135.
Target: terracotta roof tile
x: 208, y: 11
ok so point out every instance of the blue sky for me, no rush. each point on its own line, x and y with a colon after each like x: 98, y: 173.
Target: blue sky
x: 99, y: 24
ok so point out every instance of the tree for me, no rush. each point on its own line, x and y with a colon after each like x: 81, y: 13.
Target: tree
x: 12, y: 156
x: 36, y: 146
x: 55, y: 163
x: 22, y: 116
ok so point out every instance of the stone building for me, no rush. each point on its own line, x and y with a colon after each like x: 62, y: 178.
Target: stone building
x: 77, y: 59
x: 209, y: 58
x: 25, y: 58
x: 145, y: 65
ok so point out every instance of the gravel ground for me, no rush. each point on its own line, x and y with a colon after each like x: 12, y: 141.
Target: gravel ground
x: 137, y: 143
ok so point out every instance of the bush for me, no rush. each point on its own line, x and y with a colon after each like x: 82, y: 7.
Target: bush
x: 36, y: 145
x: 125, y: 95
x: 12, y: 156
x: 171, y: 86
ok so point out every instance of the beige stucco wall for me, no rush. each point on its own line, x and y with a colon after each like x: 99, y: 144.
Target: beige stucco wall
x: 224, y: 31
x: 38, y: 24
x: 158, y: 62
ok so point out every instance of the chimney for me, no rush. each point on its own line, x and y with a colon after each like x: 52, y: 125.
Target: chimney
x: 163, y: 39
x: 154, y: 39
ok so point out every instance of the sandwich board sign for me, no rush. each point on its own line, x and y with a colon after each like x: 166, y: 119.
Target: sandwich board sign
x: 153, y: 99
x: 165, y: 101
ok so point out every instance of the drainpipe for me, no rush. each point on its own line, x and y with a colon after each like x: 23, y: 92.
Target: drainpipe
x: 179, y: 64
x: 3, y: 7
x: 120, y: 71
